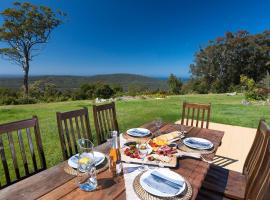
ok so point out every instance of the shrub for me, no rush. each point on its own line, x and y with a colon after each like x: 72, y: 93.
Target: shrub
x: 253, y: 91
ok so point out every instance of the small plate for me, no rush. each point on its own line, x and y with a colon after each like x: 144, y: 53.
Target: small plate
x: 138, y: 132
x: 167, y: 173
x: 73, y: 161
x: 194, y: 146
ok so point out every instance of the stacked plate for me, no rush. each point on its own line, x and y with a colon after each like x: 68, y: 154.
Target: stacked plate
x: 163, y: 183
x: 99, y: 159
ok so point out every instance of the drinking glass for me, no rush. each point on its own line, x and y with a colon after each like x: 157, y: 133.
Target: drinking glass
x: 143, y: 154
x: 86, y: 170
x: 158, y: 123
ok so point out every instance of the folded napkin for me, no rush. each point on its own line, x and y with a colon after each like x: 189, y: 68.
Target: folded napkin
x: 163, y: 184
x: 138, y: 132
x: 198, y: 144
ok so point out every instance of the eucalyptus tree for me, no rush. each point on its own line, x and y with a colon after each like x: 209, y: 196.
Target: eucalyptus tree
x: 224, y: 59
x: 25, y: 30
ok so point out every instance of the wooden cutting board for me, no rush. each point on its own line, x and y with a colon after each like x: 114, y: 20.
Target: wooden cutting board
x: 125, y: 158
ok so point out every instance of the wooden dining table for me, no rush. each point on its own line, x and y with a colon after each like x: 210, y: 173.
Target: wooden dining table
x: 55, y: 183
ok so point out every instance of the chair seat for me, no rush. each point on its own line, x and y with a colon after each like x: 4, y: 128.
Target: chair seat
x: 229, y: 183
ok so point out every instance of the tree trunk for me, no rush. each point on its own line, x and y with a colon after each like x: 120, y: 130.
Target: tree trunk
x: 25, y: 80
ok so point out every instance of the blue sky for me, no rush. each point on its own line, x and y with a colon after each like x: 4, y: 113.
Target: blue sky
x: 150, y: 37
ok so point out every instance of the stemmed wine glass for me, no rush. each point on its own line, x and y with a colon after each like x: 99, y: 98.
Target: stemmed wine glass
x: 143, y: 153
x: 158, y: 123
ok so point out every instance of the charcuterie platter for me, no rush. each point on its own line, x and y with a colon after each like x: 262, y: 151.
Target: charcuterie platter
x: 156, y: 151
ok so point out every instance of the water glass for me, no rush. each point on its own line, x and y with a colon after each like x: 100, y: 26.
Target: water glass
x: 86, y: 170
x: 143, y: 154
x: 158, y: 123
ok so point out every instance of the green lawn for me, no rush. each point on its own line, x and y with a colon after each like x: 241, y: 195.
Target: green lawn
x: 225, y: 109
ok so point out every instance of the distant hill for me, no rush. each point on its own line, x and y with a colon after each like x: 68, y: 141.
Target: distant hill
x: 73, y: 82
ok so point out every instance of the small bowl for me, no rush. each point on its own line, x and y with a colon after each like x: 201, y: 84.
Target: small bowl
x: 173, y: 145
x: 148, y: 149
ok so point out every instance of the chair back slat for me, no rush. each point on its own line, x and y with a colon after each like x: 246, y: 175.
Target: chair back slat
x: 73, y: 134
x: 68, y: 137
x: 105, y: 120
x: 18, y: 134
x: 197, y: 118
x: 31, y: 146
x: 13, y: 154
x: 83, y: 128
x: 4, y: 161
x: 258, y: 180
x: 192, y: 118
x: 78, y: 128
x: 201, y: 110
x: 72, y: 125
x: 39, y: 144
x: 21, y: 144
x: 202, y: 121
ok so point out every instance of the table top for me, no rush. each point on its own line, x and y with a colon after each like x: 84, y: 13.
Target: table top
x: 55, y: 183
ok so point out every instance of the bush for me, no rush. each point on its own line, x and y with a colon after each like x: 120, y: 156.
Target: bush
x: 253, y: 91
x: 7, y: 96
x: 104, y: 91
x: 26, y: 100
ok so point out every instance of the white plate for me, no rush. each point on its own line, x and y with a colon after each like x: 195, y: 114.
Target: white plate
x: 73, y: 161
x: 167, y: 173
x: 185, y: 141
x: 144, y: 132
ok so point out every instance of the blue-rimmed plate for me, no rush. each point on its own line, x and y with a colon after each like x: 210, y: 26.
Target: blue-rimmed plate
x: 73, y: 161
x: 166, y: 173
x: 138, y: 132
x: 198, y: 143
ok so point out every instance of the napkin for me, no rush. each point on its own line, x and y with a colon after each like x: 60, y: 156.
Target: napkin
x: 163, y: 184
x: 138, y: 132
x: 198, y: 144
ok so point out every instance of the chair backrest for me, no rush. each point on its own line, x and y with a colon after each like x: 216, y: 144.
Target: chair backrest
x: 256, y: 151
x: 192, y: 113
x: 16, y: 154
x: 258, y: 181
x: 73, y: 125
x: 105, y: 120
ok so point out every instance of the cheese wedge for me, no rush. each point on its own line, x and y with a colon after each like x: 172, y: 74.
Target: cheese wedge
x: 167, y: 137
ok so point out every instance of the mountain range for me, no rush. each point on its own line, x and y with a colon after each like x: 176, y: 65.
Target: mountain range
x: 73, y: 82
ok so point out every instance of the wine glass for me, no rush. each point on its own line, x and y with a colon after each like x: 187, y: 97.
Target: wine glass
x: 143, y: 153
x: 86, y: 170
x: 158, y: 123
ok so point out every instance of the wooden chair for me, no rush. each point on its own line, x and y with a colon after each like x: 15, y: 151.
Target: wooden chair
x: 72, y: 125
x: 105, y: 120
x: 256, y: 169
x: 197, y: 112
x: 15, y: 153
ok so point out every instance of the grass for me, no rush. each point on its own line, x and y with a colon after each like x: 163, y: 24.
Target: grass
x: 225, y: 109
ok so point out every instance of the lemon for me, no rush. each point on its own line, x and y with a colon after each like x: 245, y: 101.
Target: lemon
x: 84, y: 160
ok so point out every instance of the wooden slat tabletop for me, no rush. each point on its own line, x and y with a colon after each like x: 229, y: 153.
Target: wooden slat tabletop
x: 55, y: 183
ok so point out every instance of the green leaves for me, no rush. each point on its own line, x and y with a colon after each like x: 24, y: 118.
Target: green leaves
x: 221, y: 63
x: 25, y: 29
x: 175, y: 84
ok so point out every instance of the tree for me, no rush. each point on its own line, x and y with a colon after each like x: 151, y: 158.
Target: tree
x: 26, y: 28
x: 104, y: 91
x: 175, y: 84
x: 223, y: 60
